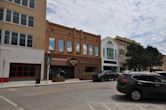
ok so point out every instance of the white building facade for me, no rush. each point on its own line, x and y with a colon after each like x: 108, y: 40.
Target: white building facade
x: 109, y: 55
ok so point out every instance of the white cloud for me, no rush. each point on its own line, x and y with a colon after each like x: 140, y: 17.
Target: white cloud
x: 141, y: 20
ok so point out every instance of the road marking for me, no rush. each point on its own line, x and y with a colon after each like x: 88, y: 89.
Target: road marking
x: 90, y: 106
x: 140, y: 107
x: 106, y: 106
x: 161, y: 108
x: 11, y: 102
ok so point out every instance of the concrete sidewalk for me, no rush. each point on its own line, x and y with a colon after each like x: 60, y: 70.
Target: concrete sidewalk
x: 14, y: 84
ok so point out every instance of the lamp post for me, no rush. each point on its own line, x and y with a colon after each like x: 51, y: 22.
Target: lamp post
x: 48, y: 64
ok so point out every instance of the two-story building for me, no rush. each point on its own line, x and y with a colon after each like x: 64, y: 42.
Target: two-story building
x: 22, y: 39
x: 73, y: 51
x: 109, y: 54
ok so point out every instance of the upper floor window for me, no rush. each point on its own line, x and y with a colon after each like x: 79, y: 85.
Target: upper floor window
x: 31, y: 21
x: 61, y: 46
x: 8, y: 15
x: 7, y: 37
x: 25, y: 2
x: 22, y: 39
x: 69, y: 46
x: 84, y: 49
x: 16, y: 17
x: 1, y: 13
x: 32, y: 3
x: 14, y: 38
x: 23, y: 19
x: 110, y: 53
x: 90, y: 50
x: 78, y: 47
x: 30, y: 41
x: 104, y: 52
x: 51, y: 44
x: 96, y: 51
x: 17, y: 1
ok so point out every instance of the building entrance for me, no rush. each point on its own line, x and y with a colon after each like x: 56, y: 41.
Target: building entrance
x: 65, y: 71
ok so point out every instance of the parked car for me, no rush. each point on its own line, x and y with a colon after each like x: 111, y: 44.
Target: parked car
x: 142, y: 85
x: 105, y: 76
x: 162, y: 73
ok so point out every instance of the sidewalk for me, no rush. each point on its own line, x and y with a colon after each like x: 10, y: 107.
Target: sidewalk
x: 15, y: 84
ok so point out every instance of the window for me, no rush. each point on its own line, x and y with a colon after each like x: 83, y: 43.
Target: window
x: 78, y: 47
x: 84, y: 49
x: 96, y: 51
x: 69, y: 46
x: 110, y: 53
x: 15, y: 17
x: 23, y: 19
x: 104, y: 52
x: 30, y: 21
x: 14, y: 38
x: 61, y: 46
x: 0, y: 35
x: 7, y: 37
x: 32, y: 3
x: 90, y: 50
x: 1, y: 13
x: 29, y: 41
x: 17, y: 1
x: 8, y: 15
x: 25, y: 2
x: 51, y: 44
x: 147, y: 78
x: 22, y: 39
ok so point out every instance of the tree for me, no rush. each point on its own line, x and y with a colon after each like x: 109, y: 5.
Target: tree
x: 139, y: 57
x: 154, y: 57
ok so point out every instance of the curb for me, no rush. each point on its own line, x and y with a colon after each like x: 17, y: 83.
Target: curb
x: 38, y: 85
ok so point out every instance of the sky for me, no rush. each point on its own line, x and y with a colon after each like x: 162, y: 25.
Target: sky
x: 141, y: 20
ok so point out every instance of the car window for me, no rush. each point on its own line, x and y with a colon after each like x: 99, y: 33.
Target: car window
x: 163, y: 74
x: 162, y: 79
x: 147, y: 78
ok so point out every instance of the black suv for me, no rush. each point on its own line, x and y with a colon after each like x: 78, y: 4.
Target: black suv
x: 142, y: 85
x: 105, y: 76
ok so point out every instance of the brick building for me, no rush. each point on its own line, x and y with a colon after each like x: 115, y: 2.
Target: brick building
x: 72, y: 51
x: 22, y: 39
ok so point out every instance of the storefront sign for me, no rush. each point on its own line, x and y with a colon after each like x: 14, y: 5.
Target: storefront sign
x: 73, y: 61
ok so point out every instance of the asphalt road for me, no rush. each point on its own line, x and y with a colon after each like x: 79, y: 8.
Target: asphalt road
x: 79, y: 96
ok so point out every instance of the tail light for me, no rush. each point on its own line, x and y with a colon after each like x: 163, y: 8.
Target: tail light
x: 124, y: 81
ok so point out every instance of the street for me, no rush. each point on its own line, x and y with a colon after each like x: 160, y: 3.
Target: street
x: 78, y: 96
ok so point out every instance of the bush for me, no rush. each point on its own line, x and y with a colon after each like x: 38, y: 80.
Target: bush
x: 86, y: 76
x: 58, y: 78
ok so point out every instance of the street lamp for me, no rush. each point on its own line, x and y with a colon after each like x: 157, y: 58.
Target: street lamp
x: 48, y: 64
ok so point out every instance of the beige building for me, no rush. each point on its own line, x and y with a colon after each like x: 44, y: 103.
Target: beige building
x: 164, y: 63
x: 123, y: 43
x: 22, y: 39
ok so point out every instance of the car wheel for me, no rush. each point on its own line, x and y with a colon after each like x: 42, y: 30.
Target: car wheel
x: 102, y: 79
x: 135, y: 95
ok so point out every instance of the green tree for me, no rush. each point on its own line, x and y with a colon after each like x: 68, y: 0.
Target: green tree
x: 139, y: 57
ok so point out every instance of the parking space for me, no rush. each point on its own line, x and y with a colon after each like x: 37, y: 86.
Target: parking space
x: 124, y: 106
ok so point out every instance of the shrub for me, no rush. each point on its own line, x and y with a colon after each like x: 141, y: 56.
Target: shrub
x: 86, y: 76
x: 58, y: 78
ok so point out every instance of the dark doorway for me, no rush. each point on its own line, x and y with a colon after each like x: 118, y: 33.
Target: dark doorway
x: 113, y: 69
x: 65, y: 71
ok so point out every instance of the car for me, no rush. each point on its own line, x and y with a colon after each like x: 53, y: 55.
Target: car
x: 142, y: 85
x: 104, y: 76
x: 162, y: 73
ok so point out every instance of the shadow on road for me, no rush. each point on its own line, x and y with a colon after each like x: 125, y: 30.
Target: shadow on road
x: 124, y: 98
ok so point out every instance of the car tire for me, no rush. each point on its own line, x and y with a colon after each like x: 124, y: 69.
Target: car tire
x: 102, y: 79
x: 135, y: 95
